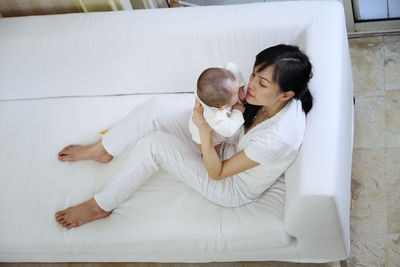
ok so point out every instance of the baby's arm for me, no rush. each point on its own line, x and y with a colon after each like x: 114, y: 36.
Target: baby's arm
x: 229, y: 124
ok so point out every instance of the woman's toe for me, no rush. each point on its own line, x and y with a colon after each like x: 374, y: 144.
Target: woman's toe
x: 65, y: 149
x: 59, y: 213
x: 66, y: 157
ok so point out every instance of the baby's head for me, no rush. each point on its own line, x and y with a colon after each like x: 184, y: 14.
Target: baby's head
x: 218, y: 87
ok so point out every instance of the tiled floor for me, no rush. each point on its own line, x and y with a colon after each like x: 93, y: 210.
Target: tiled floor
x: 375, y: 213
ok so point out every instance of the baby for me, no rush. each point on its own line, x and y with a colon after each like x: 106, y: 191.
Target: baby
x: 217, y: 91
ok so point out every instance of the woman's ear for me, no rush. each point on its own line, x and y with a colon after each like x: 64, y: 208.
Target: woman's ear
x: 287, y: 95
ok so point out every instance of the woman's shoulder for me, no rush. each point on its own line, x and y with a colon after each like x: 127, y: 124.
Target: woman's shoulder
x: 292, y: 125
x: 289, y: 127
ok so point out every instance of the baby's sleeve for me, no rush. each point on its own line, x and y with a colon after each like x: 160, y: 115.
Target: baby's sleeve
x: 194, y: 130
x: 228, y: 125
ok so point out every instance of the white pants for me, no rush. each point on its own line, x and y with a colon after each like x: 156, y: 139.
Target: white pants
x: 158, y: 133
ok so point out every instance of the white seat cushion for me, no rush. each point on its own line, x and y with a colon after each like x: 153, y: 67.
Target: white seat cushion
x: 165, y: 215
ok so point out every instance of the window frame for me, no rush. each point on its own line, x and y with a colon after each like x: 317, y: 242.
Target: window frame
x: 375, y: 26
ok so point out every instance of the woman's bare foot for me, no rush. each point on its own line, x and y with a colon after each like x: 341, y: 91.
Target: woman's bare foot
x: 94, y: 151
x: 83, y: 213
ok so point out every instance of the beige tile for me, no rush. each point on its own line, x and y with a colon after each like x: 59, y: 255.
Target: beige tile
x: 187, y: 264
x: 114, y: 264
x: 80, y: 264
x: 20, y: 264
x: 391, y: 38
x: 369, y: 120
x: 62, y: 264
x: 393, y: 250
x: 368, y: 253
x: 363, y: 40
x: 368, y: 188
x: 367, y: 60
x: 392, y: 99
x: 392, y: 177
x: 287, y: 264
x: 392, y: 65
x: 222, y: 264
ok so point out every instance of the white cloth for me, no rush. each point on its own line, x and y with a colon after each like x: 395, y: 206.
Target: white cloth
x: 157, y: 131
x: 273, y: 143
x: 224, y: 122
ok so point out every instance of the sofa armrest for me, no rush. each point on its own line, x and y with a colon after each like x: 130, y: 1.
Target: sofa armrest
x: 318, y: 183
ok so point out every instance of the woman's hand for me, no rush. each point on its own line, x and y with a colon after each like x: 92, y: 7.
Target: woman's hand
x: 198, y: 118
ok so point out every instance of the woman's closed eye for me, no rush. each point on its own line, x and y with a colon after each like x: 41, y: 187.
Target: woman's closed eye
x: 261, y: 84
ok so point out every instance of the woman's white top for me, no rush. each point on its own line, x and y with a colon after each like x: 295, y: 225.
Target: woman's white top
x: 224, y: 122
x: 273, y: 143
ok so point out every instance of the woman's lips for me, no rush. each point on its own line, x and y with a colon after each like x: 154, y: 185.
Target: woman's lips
x: 248, y: 94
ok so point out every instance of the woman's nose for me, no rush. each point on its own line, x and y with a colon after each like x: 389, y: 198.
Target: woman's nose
x: 250, y: 85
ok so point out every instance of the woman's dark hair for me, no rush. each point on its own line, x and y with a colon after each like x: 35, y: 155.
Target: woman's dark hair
x: 292, y: 72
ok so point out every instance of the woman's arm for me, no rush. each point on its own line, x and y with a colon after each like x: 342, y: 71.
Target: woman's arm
x: 216, y: 168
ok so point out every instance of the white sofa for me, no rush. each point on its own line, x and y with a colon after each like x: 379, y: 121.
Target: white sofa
x: 64, y: 78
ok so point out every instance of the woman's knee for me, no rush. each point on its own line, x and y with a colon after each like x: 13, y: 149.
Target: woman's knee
x: 162, y: 147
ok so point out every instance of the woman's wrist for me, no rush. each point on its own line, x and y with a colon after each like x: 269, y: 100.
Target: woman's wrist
x: 205, y: 129
x: 205, y: 135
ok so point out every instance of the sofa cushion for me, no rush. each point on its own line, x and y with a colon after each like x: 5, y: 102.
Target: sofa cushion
x: 164, y: 216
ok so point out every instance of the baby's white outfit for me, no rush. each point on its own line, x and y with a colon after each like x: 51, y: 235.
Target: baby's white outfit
x: 224, y: 122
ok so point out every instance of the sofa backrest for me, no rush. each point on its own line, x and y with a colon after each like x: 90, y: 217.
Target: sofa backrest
x: 136, y: 52
x: 320, y: 177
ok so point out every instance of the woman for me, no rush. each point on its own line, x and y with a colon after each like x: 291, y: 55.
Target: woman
x: 276, y: 104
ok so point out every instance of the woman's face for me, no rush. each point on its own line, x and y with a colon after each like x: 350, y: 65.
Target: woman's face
x: 262, y: 91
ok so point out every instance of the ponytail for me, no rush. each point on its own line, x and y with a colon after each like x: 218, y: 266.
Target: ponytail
x: 306, y: 100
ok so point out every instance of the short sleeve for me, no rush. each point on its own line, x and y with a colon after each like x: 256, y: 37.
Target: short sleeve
x: 265, y: 149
